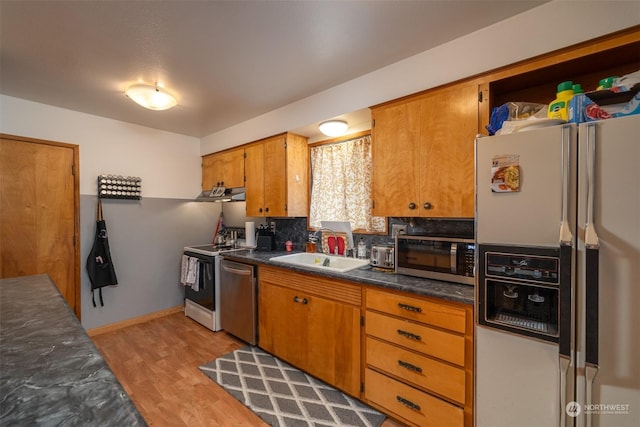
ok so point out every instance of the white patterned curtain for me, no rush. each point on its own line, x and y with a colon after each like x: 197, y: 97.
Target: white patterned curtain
x: 341, y: 185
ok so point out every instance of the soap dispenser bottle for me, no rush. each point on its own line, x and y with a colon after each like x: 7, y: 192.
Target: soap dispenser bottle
x: 362, y: 249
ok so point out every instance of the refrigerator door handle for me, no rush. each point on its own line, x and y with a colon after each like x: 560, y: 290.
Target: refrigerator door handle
x: 566, y: 237
x: 565, y: 340
x: 591, y: 239
x: 592, y: 274
x: 564, y: 365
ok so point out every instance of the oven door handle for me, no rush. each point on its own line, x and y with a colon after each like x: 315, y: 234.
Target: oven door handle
x: 453, y: 255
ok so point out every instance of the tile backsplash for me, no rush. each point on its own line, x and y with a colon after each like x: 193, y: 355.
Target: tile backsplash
x: 295, y: 229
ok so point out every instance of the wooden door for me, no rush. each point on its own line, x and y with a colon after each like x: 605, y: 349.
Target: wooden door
x: 275, y: 172
x: 449, y: 121
x: 254, y: 179
x: 396, y: 134
x: 39, y: 213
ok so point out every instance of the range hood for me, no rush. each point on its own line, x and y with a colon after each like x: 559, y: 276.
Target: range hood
x: 220, y: 194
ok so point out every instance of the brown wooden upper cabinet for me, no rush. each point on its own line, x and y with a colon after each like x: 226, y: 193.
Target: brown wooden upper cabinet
x: 225, y: 168
x: 423, y: 151
x: 277, y: 176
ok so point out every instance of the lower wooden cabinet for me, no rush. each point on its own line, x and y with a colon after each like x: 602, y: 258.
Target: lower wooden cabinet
x: 312, y: 323
x: 416, y: 362
x: 411, y: 404
x: 418, y: 370
x: 418, y: 356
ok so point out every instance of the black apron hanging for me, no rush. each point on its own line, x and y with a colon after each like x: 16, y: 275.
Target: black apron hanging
x: 99, y: 265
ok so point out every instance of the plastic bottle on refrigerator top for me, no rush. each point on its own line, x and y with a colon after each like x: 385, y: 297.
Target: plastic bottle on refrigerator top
x: 558, y: 109
x: 606, y: 83
x: 577, y: 105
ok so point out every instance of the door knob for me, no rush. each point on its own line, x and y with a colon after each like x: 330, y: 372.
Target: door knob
x: 427, y: 206
x: 412, y: 205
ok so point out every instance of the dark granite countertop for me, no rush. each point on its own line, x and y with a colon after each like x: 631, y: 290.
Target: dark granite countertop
x: 368, y: 276
x: 51, y: 373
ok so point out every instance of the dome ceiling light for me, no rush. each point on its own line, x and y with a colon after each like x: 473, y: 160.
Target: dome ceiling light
x: 151, y: 97
x: 334, y: 127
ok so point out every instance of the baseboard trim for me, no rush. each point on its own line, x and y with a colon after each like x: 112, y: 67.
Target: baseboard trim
x: 134, y: 321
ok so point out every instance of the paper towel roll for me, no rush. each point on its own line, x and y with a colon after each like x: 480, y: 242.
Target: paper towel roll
x: 250, y: 234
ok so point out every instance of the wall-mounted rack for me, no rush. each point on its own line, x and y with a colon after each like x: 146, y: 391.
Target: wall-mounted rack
x: 119, y: 187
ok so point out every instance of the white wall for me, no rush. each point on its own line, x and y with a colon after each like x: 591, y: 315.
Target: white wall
x: 168, y: 163
x: 146, y: 237
x: 552, y: 26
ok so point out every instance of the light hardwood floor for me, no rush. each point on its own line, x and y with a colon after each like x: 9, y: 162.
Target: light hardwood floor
x: 157, y: 364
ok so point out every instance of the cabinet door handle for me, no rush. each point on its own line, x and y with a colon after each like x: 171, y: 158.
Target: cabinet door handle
x: 266, y: 209
x: 300, y: 300
x: 409, y: 404
x: 412, y: 205
x: 427, y: 206
x: 410, y: 366
x: 260, y: 210
x: 409, y: 335
x: 409, y: 307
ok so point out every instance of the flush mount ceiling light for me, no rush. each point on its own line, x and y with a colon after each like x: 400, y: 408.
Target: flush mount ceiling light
x: 151, y: 97
x: 333, y: 127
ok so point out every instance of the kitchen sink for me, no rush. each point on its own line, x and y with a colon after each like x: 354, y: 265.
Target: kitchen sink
x: 321, y: 261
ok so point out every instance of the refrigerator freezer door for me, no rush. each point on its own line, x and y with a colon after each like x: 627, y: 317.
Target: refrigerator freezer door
x: 533, y: 215
x: 615, y: 394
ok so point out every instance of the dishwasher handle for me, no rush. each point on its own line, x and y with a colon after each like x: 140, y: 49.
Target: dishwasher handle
x: 241, y: 271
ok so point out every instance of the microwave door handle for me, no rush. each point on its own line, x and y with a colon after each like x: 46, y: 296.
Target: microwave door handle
x: 454, y: 258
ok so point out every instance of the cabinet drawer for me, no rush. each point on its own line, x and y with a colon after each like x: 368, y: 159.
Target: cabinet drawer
x: 440, y: 344
x: 412, y: 404
x: 422, y: 371
x: 441, y: 315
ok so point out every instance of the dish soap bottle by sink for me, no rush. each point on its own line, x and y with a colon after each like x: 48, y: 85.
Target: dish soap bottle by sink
x: 362, y: 249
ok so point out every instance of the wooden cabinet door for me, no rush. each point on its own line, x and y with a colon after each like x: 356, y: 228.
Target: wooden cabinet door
x: 226, y: 168
x: 210, y: 167
x: 316, y: 334
x: 254, y: 179
x: 275, y: 172
x: 449, y: 124
x: 39, y: 219
x: 396, y: 135
x: 232, y: 168
x: 423, y: 154
x: 333, y: 343
x: 281, y: 323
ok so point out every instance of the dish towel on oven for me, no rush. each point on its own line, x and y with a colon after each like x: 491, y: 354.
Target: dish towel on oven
x: 189, y: 272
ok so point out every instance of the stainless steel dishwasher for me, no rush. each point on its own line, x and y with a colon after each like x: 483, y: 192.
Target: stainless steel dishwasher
x: 238, y: 300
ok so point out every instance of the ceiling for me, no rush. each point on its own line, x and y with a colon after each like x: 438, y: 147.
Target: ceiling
x: 229, y: 61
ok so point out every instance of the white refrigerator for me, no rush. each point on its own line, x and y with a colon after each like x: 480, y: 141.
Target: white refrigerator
x: 574, y: 191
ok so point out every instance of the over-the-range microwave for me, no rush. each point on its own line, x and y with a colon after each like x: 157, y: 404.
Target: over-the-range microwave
x: 440, y: 258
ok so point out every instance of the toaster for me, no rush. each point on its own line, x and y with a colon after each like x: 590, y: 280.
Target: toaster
x: 383, y: 256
